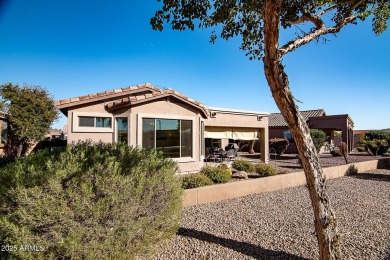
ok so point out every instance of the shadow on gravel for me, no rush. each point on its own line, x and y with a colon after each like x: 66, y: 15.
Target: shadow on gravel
x: 241, y: 247
x: 372, y: 176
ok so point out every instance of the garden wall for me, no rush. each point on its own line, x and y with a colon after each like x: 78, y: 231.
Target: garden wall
x: 236, y: 189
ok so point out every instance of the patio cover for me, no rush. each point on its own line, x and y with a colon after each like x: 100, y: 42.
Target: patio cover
x: 231, y: 133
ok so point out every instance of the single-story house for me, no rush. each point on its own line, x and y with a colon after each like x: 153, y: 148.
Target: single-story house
x: 316, y: 119
x: 4, y: 128
x: 161, y: 119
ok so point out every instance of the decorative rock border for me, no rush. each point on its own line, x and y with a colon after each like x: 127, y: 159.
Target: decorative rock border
x: 231, y: 190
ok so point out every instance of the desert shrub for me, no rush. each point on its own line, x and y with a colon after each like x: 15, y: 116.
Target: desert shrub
x: 319, y: 138
x: 243, y: 165
x: 352, y: 170
x: 195, y: 180
x: 376, y: 142
x: 265, y: 169
x: 279, y: 144
x: 4, y: 160
x: 217, y: 174
x: 335, y: 153
x: 360, y: 149
x: 89, y: 201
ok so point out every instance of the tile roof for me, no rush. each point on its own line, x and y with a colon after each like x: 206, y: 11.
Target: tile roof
x: 103, y: 95
x: 276, y: 119
x: 130, y: 96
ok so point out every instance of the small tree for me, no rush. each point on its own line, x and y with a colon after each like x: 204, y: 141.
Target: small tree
x: 31, y: 112
x: 319, y: 138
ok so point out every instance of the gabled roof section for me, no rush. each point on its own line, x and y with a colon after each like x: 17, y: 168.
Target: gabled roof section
x: 156, y: 94
x: 276, y: 119
x: 133, y: 95
x: 115, y: 93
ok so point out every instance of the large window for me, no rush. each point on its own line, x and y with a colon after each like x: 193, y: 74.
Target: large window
x: 171, y: 136
x: 86, y: 121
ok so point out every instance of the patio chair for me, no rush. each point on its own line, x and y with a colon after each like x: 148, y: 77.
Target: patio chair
x: 231, y: 155
x: 210, y: 155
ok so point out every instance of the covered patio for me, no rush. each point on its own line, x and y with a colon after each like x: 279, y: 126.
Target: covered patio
x: 228, y: 125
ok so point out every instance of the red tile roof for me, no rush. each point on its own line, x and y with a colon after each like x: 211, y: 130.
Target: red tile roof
x: 130, y: 96
x: 276, y: 119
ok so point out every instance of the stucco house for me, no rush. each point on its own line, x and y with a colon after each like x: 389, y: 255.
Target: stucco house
x: 161, y: 119
x: 316, y: 119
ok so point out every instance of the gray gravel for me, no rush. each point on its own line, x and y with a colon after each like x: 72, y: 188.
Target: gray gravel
x: 279, y: 225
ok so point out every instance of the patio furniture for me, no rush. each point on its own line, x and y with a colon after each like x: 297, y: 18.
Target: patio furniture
x: 231, y: 155
x: 211, y: 155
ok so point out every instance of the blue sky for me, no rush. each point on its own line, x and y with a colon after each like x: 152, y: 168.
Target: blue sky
x: 74, y: 48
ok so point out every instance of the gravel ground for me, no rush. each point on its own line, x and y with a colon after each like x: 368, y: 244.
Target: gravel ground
x: 279, y: 225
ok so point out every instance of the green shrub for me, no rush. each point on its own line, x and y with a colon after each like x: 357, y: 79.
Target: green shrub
x: 217, y: 174
x: 335, y: 153
x: 243, y: 165
x: 89, y: 201
x: 265, y: 169
x: 319, y: 138
x: 360, y: 149
x: 376, y: 142
x: 195, y: 180
x: 279, y: 144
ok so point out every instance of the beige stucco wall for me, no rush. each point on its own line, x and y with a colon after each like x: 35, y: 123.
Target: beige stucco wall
x: 157, y: 109
x: 74, y: 136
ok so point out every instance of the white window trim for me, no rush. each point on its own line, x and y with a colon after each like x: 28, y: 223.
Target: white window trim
x: 86, y: 129
x: 141, y: 116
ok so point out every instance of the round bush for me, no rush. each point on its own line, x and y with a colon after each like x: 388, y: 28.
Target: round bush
x: 243, y: 165
x: 89, y: 201
x: 265, y: 170
x: 217, y: 174
x: 195, y: 180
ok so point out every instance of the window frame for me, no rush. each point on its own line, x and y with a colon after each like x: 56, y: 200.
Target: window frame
x: 91, y: 129
x: 140, y: 118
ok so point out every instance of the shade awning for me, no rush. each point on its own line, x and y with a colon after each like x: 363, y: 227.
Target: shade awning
x: 231, y: 133
x: 218, y: 134
x: 247, y: 135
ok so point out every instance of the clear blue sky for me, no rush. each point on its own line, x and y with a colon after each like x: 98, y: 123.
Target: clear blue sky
x: 75, y: 48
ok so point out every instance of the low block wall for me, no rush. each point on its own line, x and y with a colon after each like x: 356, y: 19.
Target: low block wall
x: 231, y: 190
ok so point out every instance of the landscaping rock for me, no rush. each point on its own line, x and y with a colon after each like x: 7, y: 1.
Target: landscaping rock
x: 240, y: 175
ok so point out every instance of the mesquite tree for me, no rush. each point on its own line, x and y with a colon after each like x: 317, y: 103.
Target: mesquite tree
x: 258, y: 23
x: 31, y: 112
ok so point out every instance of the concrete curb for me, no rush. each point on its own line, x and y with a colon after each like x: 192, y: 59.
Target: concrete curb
x: 237, y: 189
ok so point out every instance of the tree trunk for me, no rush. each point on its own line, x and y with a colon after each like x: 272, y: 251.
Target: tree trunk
x: 324, y: 218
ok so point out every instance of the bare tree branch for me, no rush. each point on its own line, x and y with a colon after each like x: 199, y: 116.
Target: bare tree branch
x: 292, y: 45
x: 309, y: 18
